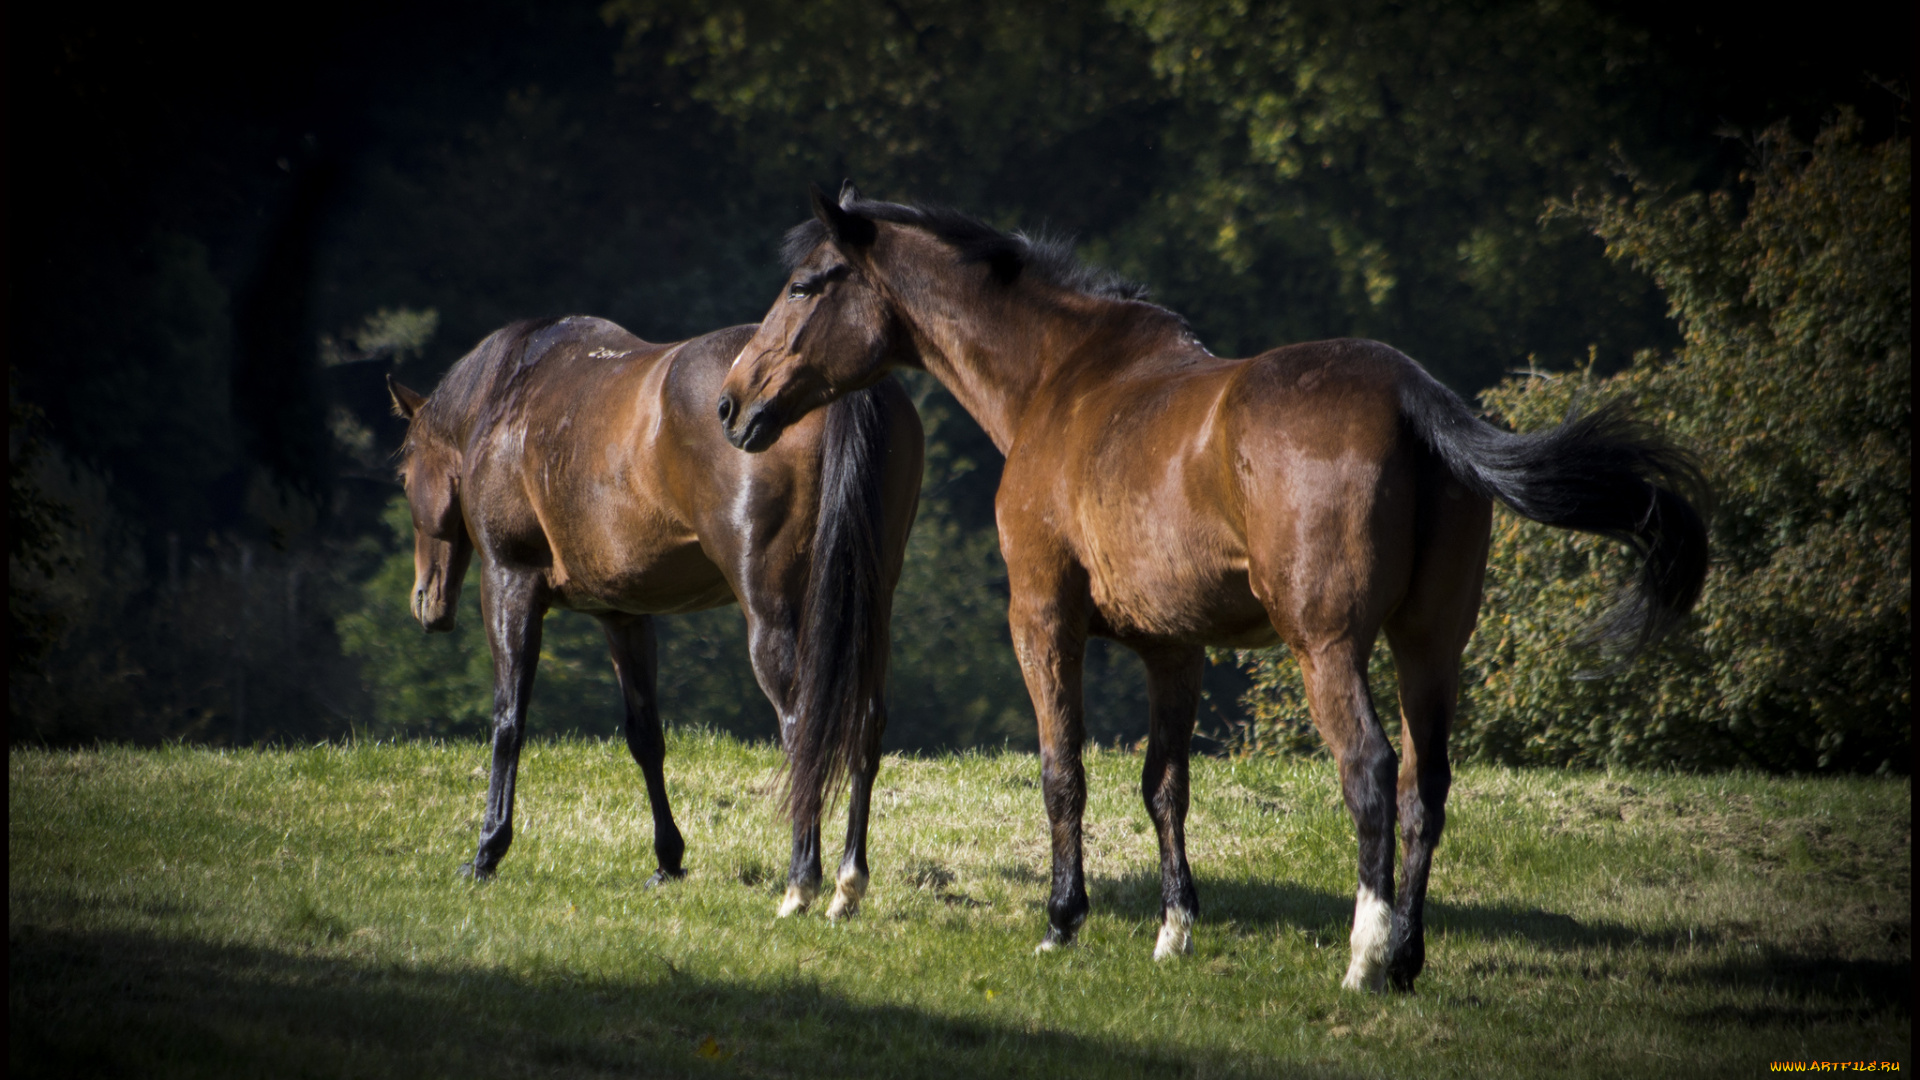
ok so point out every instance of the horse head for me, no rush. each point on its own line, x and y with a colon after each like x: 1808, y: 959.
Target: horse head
x: 430, y: 469
x: 833, y: 332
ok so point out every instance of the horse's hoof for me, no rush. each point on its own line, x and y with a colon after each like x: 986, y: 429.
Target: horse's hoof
x: 662, y: 876
x: 1176, y: 935
x: 1054, y: 940
x: 847, y: 894
x: 1364, y: 983
x: 797, y: 900
x: 474, y: 873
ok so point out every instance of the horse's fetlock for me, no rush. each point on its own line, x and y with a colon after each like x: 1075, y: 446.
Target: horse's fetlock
x: 1176, y: 934
x: 849, y: 890
x: 800, y: 896
x: 1372, y: 932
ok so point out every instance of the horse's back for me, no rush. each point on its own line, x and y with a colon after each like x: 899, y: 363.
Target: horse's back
x: 573, y: 469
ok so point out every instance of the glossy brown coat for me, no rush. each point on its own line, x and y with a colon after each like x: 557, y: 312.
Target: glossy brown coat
x: 584, y: 466
x: 1169, y: 499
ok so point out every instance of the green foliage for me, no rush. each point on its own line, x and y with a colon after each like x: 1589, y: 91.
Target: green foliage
x: 182, y: 912
x: 1277, y: 171
x: 1794, y: 385
x: 954, y: 680
x: 1378, y: 169
x: 1291, y: 170
x: 399, y: 334
x: 36, y: 526
x: 934, y: 97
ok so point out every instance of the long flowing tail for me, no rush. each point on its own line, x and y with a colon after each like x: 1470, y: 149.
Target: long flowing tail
x: 1601, y: 473
x: 843, y: 649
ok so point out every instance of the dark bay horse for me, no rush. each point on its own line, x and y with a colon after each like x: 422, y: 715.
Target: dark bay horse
x: 1169, y: 499
x: 584, y: 467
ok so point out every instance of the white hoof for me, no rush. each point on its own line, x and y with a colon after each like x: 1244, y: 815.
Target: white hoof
x: 1046, y: 945
x: 1372, y: 926
x: 797, y: 900
x: 1176, y: 935
x: 847, y: 894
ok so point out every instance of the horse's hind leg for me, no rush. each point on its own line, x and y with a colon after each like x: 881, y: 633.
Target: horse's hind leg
x: 803, y: 871
x: 1429, y: 687
x: 850, y: 883
x: 1342, y: 708
x: 630, y: 638
x: 1428, y: 633
x: 1173, y: 691
x: 513, y: 604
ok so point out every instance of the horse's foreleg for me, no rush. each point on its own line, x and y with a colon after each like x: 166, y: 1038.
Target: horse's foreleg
x: 850, y: 882
x: 1342, y: 708
x: 1173, y: 694
x: 1050, y: 639
x: 635, y: 650
x: 513, y: 605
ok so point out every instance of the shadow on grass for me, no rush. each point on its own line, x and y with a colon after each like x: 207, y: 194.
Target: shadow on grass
x: 1802, y: 991
x: 1271, y: 904
x: 109, y: 1004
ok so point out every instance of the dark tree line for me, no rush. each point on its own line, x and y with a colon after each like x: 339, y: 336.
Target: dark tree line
x: 224, y: 231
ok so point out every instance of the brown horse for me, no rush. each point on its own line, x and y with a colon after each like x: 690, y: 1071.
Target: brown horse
x: 583, y: 465
x: 1168, y: 499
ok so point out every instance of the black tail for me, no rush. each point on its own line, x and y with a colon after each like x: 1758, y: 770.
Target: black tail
x: 841, y: 669
x: 1600, y: 473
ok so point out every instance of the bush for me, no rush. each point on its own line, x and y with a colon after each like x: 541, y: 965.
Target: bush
x: 1794, y: 385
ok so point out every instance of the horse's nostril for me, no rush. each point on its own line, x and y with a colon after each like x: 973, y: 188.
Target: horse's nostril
x: 726, y: 407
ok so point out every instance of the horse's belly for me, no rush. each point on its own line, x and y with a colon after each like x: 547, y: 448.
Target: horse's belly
x: 639, y: 575
x: 1201, y: 601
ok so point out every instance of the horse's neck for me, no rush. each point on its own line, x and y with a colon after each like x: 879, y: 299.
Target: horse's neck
x: 994, y: 358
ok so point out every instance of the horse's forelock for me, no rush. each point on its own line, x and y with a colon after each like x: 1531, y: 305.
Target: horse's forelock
x: 800, y: 242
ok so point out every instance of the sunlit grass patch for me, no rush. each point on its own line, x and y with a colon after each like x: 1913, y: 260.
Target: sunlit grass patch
x: 195, y: 912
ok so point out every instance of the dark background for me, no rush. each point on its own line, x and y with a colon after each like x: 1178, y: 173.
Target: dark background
x: 197, y: 195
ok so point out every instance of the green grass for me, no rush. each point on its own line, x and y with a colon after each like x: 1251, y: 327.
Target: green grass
x: 187, y: 912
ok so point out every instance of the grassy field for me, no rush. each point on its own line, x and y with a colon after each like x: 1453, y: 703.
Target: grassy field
x: 289, y: 913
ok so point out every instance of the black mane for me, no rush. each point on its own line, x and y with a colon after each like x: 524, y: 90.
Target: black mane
x: 1044, y: 258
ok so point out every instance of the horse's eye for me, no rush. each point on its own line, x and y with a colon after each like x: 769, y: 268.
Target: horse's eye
x: 800, y: 290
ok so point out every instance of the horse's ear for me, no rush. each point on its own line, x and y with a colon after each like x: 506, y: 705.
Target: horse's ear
x: 849, y: 230
x: 406, y: 403
x: 848, y: 194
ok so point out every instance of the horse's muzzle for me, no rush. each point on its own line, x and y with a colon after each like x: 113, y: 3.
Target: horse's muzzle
x: 758, y: 430
x: 432, y: 624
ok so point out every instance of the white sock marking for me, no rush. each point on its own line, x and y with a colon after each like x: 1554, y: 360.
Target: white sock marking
x: 847, y: 894
x: 1176, y: 935
x: 1372, y: 926
x: 797, y: 900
